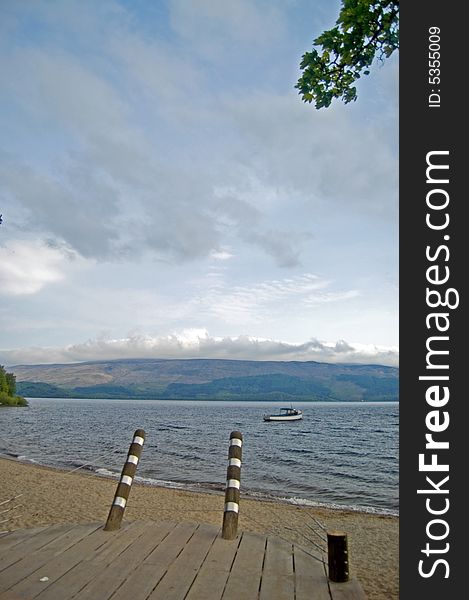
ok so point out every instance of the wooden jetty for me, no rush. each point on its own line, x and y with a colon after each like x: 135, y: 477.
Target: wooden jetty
x: 167, y: 560
x: 160, y: 561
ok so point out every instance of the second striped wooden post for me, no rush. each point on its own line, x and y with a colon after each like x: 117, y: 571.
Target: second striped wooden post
x: 116, y: 513
x: 233, y: 478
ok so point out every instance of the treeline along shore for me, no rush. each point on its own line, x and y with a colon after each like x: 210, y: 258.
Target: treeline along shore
x: 8, y: 396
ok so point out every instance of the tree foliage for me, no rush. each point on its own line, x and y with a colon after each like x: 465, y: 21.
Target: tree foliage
x: 8, y: 390
x: 364, y: 30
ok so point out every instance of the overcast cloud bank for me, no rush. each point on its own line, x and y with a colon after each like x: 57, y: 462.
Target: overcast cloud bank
x: 200, y: 344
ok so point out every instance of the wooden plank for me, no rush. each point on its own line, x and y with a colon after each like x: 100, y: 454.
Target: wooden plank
x: 10, y: 539
x: 70, y: 584
x: 31, y: 544
x: 349, y: 590
x: 213, y: 574
x: 172, y: 545
x: 23, y: 563
x: 74, y: 545
x: 310, y: 577
x: 118, y: 541
x: 146, y: 576
x: 163, y: 561
x: 277, y: 575
x: 140, y: 584
x: 81, y: 568
x: 246, y: 573
x: 111, y: 577
x: 179, y: 577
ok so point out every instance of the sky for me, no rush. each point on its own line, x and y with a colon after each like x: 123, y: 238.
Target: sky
x: 166, y: 193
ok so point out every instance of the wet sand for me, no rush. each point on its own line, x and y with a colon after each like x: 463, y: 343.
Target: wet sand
x: 53, y: 496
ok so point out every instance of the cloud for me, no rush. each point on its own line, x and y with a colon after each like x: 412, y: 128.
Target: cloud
x: 163, y: 76
x: 222, y: 254
x: 27, y: 266
x: 222, y: 29
x: 164, y: 146
x: 198, y: 343
x: 112, y: 191
x: 141, y: 153
x: 336, y: 156
x: 65, y: 210
x: 279, y: 244
x: 249, y: 304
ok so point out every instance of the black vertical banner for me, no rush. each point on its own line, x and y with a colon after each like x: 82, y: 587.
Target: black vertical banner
x: 434, y: 242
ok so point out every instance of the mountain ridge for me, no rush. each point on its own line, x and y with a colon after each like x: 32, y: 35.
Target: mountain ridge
x: 217, y: 379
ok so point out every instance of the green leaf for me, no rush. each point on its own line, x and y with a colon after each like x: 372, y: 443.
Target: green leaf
x: 365, y: 30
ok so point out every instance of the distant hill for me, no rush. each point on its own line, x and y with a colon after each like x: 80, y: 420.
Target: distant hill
x: 210, y: 379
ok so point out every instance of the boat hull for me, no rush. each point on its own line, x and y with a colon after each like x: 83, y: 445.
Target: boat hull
x: 281, y: 418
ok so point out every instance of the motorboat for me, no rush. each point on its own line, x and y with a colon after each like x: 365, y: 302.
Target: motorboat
x: 285, y: 414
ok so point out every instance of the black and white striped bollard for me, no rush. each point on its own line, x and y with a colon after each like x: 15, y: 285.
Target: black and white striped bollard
x: 233, y: 478
x: 123, y: 488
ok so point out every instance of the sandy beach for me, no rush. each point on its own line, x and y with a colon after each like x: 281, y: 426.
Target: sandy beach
x: 52, y: 496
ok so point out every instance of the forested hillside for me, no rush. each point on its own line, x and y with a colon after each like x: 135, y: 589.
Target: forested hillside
x: 210, y: 379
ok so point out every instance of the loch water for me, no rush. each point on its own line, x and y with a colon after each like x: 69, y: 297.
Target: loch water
x: 340, y: 454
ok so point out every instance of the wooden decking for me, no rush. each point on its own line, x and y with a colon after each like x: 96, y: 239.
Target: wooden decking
x: 159, y: 561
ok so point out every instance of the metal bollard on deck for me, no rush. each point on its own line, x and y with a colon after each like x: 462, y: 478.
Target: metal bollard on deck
x: 337, y: 551
x: 233, y: 478
x: 116, y: 513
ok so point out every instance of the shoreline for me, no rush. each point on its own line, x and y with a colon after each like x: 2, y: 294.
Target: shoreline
x: 220, y: 400
x: 50, y: 495
x: 194, y: 487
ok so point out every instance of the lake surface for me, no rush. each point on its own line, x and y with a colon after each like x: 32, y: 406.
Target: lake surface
x: 340, y: 454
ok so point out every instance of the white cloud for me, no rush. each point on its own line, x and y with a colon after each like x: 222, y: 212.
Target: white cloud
x: 248, y: 304
x: 198, y: 343
x: 221, y: 255
x: 27, y: 266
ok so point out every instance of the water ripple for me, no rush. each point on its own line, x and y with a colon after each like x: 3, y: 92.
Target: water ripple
x: 341, y: 453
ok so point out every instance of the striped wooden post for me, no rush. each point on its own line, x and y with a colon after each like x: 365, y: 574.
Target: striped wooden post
x: 337, y: 553
x: 116, y: 513
x: 233, y: 478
